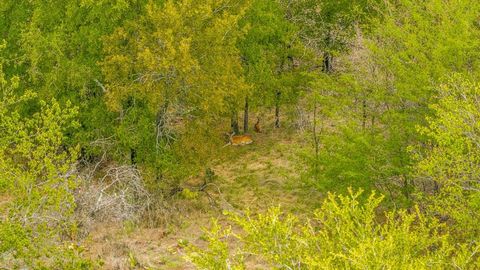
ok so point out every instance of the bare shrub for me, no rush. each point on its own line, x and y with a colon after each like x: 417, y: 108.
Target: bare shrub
x: 119, y: 195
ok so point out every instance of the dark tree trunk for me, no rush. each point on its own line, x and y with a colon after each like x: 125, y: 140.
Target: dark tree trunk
x: 327, y: 56
x: 133, y: 156
x: 234, y: 122
x: 277, y: 109
x: 327, y: 62
x: 245, y: 116
x: 436, y: 187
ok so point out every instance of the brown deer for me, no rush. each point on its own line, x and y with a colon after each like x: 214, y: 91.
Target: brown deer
x: 238, y: 140
x: 257, y: 126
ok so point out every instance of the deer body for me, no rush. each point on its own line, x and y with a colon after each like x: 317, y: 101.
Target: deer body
x: 239, y: 140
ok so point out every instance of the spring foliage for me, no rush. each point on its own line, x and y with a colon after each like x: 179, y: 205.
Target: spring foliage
x: 37, y: 180
x: 386, y: 91
x: 344, y: 234
x: 347, y: 232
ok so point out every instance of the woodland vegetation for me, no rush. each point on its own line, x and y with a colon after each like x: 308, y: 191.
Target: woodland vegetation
x: 362, y: 119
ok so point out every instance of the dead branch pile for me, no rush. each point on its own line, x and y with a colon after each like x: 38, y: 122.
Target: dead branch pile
x: 119, y: 195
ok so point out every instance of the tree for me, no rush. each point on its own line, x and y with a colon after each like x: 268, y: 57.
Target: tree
x: 385, y: 84
x: 328, y: 27
x: 56, y: 46
x: 448, y: 169
x: 270, y: 52
x: 37, y: 175
x: 415, y: 58
x: 173, y: 69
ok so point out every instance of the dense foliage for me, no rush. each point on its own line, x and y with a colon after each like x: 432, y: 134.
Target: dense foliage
x: 385, y: 94
x: 344, y: 234
x: 35, y: 174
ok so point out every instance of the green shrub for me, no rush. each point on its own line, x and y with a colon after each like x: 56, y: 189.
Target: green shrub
x: 344, y: 234
x: 37, y: 177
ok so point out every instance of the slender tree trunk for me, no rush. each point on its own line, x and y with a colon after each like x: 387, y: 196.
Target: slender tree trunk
x: 315, y: 135
x: 364, y: 114
x: 234, y: 122
x: 315, y: 140
x: 277, y: 109
x: 245, y: 116
x: 327, y: 62
x: 327, y: 56
x: 161, y: 125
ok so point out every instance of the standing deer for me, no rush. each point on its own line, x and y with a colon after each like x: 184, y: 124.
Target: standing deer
x: 257, y: 126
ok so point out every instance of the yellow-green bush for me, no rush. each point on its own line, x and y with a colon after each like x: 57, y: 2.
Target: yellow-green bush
x: 344, y: 234
x: 37, y: 179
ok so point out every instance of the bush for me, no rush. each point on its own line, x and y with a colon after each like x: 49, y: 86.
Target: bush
x: 344, y: 234
x: 37, y: 173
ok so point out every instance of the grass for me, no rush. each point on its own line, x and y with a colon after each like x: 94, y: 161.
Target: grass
x: 270, y: 172
x: 258, y: 176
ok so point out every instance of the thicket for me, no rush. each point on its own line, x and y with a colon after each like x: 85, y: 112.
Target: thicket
x: 386, y: 92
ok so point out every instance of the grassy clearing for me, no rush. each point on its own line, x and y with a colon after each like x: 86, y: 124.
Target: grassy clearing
x: 256, y: 176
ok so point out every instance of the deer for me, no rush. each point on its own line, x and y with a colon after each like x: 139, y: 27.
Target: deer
x: 257, y: 126
x: 238, y: 140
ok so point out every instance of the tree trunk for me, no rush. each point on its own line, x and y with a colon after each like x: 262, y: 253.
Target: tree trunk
x: 327, y: 56
x: 364, y: 114
x: 315, y: 136
x: 327, y: 62
x: 245, y: 116
x: 234, y: 122
x: 133, y: 156
x: 161, y: 125
x: 277, y: 109
x: 406, y: 187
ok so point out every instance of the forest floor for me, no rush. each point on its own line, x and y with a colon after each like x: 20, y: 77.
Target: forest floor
x: 258, y: 176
